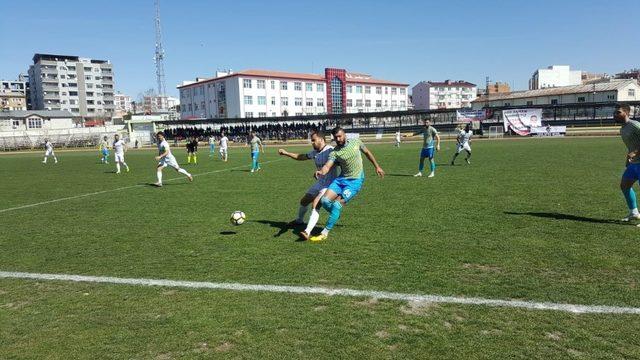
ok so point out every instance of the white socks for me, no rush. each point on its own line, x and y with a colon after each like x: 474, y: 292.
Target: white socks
x: 301, y: 211
x: 313, y: 220
x: 159, y: 173
x: 325, y: 232
x: 183, y: 172
x: 118, y: 167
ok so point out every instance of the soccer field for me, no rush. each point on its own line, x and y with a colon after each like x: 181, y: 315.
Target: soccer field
x: 530, y: 220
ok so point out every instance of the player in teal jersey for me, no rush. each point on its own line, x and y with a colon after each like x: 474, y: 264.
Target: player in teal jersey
x: 430, y: 139
x: 346, y: 155
x: 104, y: 150
x: 630, y: 133
x: 256, y: 148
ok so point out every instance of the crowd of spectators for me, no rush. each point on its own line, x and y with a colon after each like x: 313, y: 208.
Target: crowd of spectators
x: 240, y: 133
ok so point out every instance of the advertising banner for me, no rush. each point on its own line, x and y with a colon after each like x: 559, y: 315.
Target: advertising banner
x: 470, y: 115
x: 521, y: 121
x: 548, y: 131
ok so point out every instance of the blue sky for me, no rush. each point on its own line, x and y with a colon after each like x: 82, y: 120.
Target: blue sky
x: 397, y: 40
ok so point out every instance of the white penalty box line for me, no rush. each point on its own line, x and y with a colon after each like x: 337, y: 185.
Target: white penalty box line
x: 313, y: 290
x: 119, y: 189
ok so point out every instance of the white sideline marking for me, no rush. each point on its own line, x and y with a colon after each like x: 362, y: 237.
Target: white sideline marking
x: 530, y: 305
x: 119, y: 189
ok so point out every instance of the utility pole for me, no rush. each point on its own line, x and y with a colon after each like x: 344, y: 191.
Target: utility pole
x: 159, y: 56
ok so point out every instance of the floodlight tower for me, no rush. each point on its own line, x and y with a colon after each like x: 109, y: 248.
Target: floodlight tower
x: 159, y: 58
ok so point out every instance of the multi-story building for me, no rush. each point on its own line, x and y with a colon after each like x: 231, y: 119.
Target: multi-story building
x: 15, y: 93
x: 157, y: 103
x: 260, y: 93
x: 608, y: 90
x: 629, y: 74
x: 554, y: 76
x: 80, y: 85
x: 448, y: 94
x: 497, y: 88
x: 122, y: 104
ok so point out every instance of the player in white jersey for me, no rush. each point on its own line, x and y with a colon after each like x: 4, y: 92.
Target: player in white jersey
x: 464, y: 143
x: 320, y: 155
x: 165, y: 158
x: 48, y: 151
x: 119, y: 147
x: 224, y: 147
x: 398, y: 138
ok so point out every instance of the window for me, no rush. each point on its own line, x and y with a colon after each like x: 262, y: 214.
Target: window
x: 349, y: 103
x: 320, y: 87
x: 34, y: 123
x: 379, y: 102
x: 87, y: 69
x: 273, y: 100
x: 262, y: 114
x: 378, y: 90
x: 367, y: 103
x: 246, y: 83
x: 309, y: 101
x: 283, y: 85
x: 394, y: 91
x: 284, y: 101
x: 611, y: 97
x: 298, y: 114
x: 529, y: 103
x: 403, y: 91
x: 261, y: 84
x: 403, y: 103
x: 358, y: 89
x: 262, y: 100
x: 349, y: 89
x: 386, y: 103
x: 89, y: 86
x: 73, y: 93
x: 248, y: 100
x: 309, y: 86
x: 554, y: 101
x: 320, y: 102
x: 509, y: 104
x: 273, y: 84
x: 359, y: 103
x: 337, y: 88
x: 367, y: 89
x: 394, y: 103
x: 88, y: 77
x: 297, y: 86
x: 298, y: 101
x: 631, y: 93
x: 248, y: 114
x: 73, y: 102
x: 581, y: 99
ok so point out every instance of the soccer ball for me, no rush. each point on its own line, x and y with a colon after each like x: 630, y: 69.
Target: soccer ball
x: 237, y: 218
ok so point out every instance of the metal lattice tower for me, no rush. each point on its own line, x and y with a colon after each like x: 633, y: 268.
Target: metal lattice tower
x: 159, y: 58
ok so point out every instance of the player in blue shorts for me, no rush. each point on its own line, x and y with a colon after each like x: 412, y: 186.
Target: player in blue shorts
x: 430, y: 137
x: 256, y: 148
x: 630, y: 133
x: 104, y: 150
x: 348, y: 156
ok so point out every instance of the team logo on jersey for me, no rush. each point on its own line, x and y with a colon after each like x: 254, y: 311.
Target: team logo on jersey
x: 347, y: 193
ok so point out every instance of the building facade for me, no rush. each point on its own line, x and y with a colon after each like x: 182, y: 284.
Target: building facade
x: 22, y: 120
x: 555, y: 76
x: 82, y: 86
x: 260, y: 93
x: 605, y: 91
x: 428, y: 95
x: 498, y: 88
x: 122, y: 104
x: 10, y: 100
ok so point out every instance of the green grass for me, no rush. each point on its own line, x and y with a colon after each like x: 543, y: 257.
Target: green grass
x: 530, y: 219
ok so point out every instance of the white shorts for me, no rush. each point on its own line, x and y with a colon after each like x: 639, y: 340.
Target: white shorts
x: 223, y: 150
x: 318, y: 188
x: 169, y: 160
x: 464, y: 146
x: 119, y: 157
x: 48, y: 153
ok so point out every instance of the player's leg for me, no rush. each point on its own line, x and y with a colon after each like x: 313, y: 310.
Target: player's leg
x: 195, y: 157
x: 55, y: 159
x: 254, y: 161
x: 188, y: 157
x: 46, y: 156
x: 626, y: 186
x: 302, y: 208
x: 117, y: 165
x: 314, y: 216
x: 124, y: 163
x: 455, y: 155
x: 346, y: 189
x: 432, y: 162
x: 159, y: 169
x: 423, y: 155
x: 181, y: 170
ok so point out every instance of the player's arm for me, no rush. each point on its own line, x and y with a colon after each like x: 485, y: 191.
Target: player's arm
x: 325, y: 169
x: 261, y: 146
x: 372, y: 158
x: 437, y: 136
x: 294, y: 156
x: 414, y: 133
x: 161, y: 156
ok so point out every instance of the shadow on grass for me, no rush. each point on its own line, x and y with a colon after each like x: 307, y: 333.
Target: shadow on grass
x: 240, y: 170
x: 407, y: 175
x: 228, y: 232
x: 163, y: 185
x: 560, y: 216
x: 282, y: 226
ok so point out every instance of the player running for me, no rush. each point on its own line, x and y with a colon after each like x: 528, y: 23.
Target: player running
x: 464, y: 143
x: 347, y: 155
x: 119, y: 147
x: 429, y: 133
x: 256, y: 148
x: 320, y: 155
x: 104, y: 150
x: 48, y: 151
x: 165, y: 158
x: 224, y: 147
x: 630, y: 133
x: 398, y: 138
x: 212, y: 146
x: 192, y: 151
